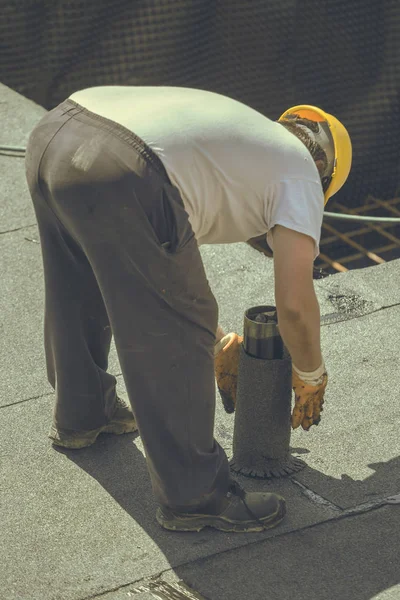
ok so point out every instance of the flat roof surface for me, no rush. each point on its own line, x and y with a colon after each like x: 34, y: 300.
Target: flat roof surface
x: 80, y: 524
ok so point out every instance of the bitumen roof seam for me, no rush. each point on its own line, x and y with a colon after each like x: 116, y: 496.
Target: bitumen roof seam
x: 158, y: 589
x: 26, y: 400
x: 357, y: 509
x: 18, y: 229
x: 114, y: 589
x: 351, y: 512
x: 314, y: 497
x: 166, y: 591
x: 135, y: 583
x: 332, y: 318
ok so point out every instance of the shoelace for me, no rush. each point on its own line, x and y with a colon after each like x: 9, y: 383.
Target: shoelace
x: 236, y: 490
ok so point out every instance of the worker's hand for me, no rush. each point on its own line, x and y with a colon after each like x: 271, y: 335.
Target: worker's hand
x: 309, y: 398
x: 226, y: 364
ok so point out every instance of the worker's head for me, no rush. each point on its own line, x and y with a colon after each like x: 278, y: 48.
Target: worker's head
x: 327, y: 140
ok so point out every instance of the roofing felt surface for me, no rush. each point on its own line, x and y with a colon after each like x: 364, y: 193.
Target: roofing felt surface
x: 81, y: 524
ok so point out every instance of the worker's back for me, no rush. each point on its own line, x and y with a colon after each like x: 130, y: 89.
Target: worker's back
x: 230, y: 163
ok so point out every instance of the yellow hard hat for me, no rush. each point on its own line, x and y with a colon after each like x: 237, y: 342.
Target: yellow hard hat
x: 334, y: 139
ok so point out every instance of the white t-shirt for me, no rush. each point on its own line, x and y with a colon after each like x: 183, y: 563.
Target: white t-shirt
x: 238, y: 172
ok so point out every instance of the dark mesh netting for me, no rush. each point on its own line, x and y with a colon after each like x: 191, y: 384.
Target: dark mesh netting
x: 341, y: 55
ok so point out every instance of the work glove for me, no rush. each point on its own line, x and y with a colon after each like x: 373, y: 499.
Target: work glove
x: 309, y: 390
x: 226, y: 364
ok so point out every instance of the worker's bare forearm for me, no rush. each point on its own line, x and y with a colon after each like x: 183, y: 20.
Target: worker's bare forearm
x: 300, y: 331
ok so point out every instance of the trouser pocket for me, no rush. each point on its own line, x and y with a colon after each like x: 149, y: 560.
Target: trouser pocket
x: 162, y: 218
x: 167, y: 216
x: 180, y: 231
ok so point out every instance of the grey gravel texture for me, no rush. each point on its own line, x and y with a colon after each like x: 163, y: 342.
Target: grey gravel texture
x: 343, y: 560
x: 18, y: 117
x: 354, y: 454
x: 80, y: 524
x: 349, y: 457
x: 76, y: 523
x: 21, y: 317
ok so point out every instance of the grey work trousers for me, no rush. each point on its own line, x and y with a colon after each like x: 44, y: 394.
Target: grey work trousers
x: 120, y: 258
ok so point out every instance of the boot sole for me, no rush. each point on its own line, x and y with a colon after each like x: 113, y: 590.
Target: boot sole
x: 172, y: 522
x: 77, y: 444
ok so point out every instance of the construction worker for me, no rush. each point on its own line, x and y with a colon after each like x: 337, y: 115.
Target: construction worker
x: 127, y: 183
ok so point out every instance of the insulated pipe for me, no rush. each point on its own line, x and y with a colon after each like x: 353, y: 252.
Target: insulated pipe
x: 263, y: 403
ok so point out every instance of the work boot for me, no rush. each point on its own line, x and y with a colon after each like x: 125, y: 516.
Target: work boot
x: 236, y: 512
x: 122, y: 421
x: 226, y: 364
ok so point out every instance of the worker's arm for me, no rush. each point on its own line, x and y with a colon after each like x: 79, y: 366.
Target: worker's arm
x: 296, y: 303
x: 299, y: 322
x: 299, y: 325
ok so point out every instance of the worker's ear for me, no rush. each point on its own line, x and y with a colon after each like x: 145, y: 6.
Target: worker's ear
x: 293, y: 265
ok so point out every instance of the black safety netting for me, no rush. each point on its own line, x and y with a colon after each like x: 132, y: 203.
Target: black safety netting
x: 341, y: 55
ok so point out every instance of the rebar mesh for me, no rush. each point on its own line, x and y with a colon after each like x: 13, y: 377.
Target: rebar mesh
x: 343, y: 56
x: 347, y: 245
